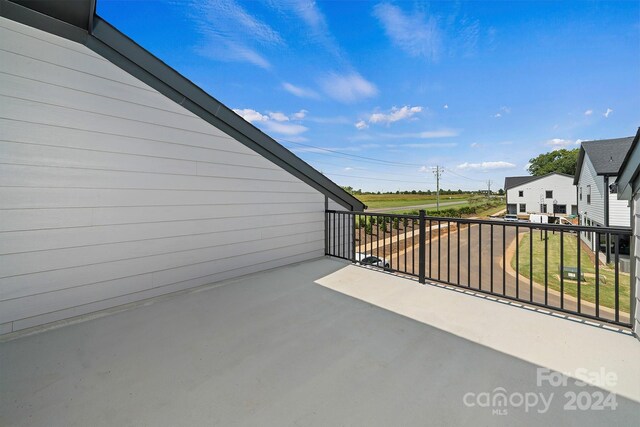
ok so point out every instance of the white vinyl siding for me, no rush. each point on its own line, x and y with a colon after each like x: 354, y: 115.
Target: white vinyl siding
x: 588, y: 177
x: 111, y: 193
x: 618, y: 209
x: 534, y: 193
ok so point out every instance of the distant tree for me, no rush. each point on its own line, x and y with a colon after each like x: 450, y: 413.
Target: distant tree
x: 562, y: 161
x: 348, y: 189
x: 501, y: 192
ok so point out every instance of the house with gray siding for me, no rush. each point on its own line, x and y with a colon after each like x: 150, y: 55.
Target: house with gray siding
x: 627, y: 186
x: 120, y: 180
x: 553, y: 193
x: 598, y: 205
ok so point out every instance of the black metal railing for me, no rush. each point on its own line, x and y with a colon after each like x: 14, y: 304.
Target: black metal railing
x: 574, y: 269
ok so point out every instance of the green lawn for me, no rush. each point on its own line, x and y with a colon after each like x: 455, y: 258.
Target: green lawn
x: 587, y: 286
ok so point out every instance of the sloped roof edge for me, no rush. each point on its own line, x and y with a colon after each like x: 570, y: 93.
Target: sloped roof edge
x: 107, y: 41
x: 514, y: 181
x: 615, y: 149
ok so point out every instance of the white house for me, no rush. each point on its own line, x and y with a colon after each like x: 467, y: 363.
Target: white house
x: 597, y: 168
x: 121, y: 180
x: 553, y: 193
x: 627, y: 187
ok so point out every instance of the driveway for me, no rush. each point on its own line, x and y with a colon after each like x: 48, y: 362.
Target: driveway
x: 466, y: 257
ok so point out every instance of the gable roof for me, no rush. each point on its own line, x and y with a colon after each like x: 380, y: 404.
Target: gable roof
x: 606, y: 155
x: 76, y: 20
x: 515, y: 181
x: 629, y: 171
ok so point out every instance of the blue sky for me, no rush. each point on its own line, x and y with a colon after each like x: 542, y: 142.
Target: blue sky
x: 375, y: 94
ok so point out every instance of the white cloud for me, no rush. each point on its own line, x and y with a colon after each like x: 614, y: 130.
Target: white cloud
x: 278, y: 116
x: 299, y: 115
x: 424, y: 169
x: 442, y: 133
x: 474, y: 145
x: 222, y: 26
x: 348, y: 88
x: 347, y: 169
x: 317, y: 29
x: 396, y: 114
x: 608, y: 112
x: 271, y: 122
x: 418, y: 35
x: 588, y: 112
x: 558, y: 143
x: 251, y: 115
x: 337, y: 120
x: 283, y: 128
x: 502, y: 111
x: 300, y: 92
x: 485, y: 166
x: 423, y: 145
x: 445, y: 106
x: 361, y: 125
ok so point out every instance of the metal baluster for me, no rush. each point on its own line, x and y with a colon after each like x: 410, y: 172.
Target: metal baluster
x: 617, y: 277
x: 468, y: 254
x: 546, y: 269
x: 579, y: 272
x: 561, y: 269
x: 491, y: 258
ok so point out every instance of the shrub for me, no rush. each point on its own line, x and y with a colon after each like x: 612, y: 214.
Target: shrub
x: 368, y: 228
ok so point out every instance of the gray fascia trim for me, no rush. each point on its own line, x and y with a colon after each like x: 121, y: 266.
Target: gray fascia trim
x: 576, y: 177
x: 26, y: 16
x: 119, y: 49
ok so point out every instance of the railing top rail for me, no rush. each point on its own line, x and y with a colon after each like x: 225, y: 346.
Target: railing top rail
x: 535, y: 225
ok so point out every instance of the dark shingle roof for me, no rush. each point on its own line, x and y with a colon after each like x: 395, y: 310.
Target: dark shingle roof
x: 606, y: 155
x: 514, y: 181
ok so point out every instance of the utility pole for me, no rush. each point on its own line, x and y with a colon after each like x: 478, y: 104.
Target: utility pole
x: 438, y: 172
x: 489, y: 182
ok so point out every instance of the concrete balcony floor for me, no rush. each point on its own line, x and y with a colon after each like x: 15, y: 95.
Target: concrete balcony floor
x: 316, y: 343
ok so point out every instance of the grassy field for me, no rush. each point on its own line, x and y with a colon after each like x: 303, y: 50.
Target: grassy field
x: 587, y: 286
x: 374, y: 201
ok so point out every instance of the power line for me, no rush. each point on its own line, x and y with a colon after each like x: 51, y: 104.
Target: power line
x: 372, y: 178
x: 353, y: 155
x: 462, y: 176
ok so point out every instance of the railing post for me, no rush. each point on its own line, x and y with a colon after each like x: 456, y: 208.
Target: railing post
x: 353, y: 237
x: 326, y: 225
x: 423, y: 243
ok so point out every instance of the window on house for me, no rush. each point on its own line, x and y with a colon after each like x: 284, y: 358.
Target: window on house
x: 543, y: 208
x: 549, y: 194
x: 580, y: 193
x: 520, y: 193
x: 560, y: 209
x: 523, y: 207
x: 588, y: 194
